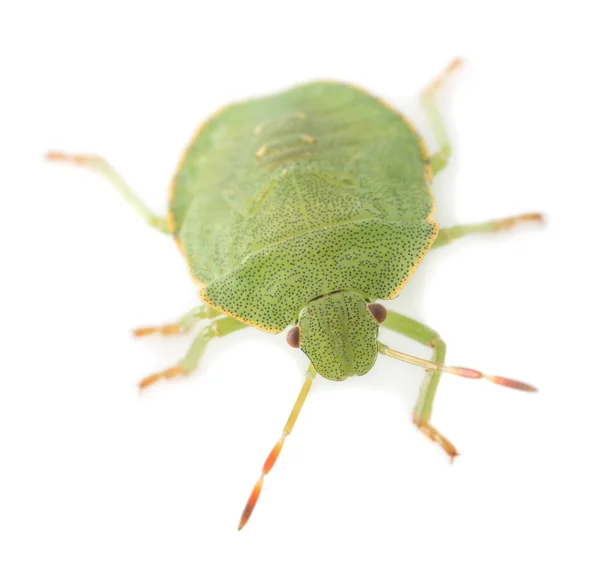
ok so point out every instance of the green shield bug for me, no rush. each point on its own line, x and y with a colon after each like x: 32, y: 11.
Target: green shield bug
x: 304, y: 209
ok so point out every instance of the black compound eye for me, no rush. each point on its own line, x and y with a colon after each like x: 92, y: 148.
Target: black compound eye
x: 293, y: 337
x: 378, y: 311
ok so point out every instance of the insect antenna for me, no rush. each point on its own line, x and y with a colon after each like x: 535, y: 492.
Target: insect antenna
x: 274, y: 454
x: 458, y: 371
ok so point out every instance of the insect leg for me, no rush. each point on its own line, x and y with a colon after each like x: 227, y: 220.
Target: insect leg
x: 274, y: 454
x: 439, y: 159
x: 447, y: 235
x: 103, y: 168
x: 422, y: 412
x: 182, y: 325
x: 218, y: 328
x: 423, y: 334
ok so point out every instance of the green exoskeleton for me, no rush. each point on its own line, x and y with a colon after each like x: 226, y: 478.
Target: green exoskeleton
x: 304, y: 209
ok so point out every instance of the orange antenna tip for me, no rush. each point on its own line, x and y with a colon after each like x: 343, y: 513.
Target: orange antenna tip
x: 512, y: 384
x: 255, y: 494
x: 464, y: 372
x: 251, y: 503
x: 273, y: 455
x: 459, y: 371
x: 276, y: 450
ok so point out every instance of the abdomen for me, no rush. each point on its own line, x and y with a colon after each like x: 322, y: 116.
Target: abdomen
x: 263, y: 171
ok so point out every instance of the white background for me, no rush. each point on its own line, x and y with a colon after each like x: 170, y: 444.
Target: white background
x: 95, y: 476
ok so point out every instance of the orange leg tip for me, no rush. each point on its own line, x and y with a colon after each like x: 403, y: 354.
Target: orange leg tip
x: 77, y: 159
x: 143, y: 331
x: 150, y: 380
x: 454, y: 64
x: 173, y: 372
x: 437, y: 83
x: 170, y: 329
x: 435, y: 436
x: 512, y: 384
x: 164, y: 330
x: 55, y: 156
x: 529, y: 217
x: 532, y: 217
x: 167, y: 374
x: 449, y: 449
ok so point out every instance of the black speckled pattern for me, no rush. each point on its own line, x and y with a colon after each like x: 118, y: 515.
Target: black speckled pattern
x: 284, y: 198
x: 339, y: 335
x: 271, y: 286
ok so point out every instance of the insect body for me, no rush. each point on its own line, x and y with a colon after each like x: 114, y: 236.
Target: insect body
x: 304, y: 208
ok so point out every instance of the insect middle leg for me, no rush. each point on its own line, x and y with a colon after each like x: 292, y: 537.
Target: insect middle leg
x: 103, y: 168
x: 218, y: 328
x: 447, y: 235
x: 440, y: 159
x: 423, y: 409
x: 182, y: 325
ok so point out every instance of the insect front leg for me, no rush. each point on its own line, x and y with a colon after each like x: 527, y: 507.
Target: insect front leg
x: 218, y: 328
x: 447, y: 235
x: 423, y: 409
x: 182, y: 325
x: 440, y: 159
x: 423, y: 334
x: 103, y: 168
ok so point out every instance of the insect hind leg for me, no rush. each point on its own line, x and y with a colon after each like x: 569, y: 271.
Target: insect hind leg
x: 104, y: 169
x: 440, y: 159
